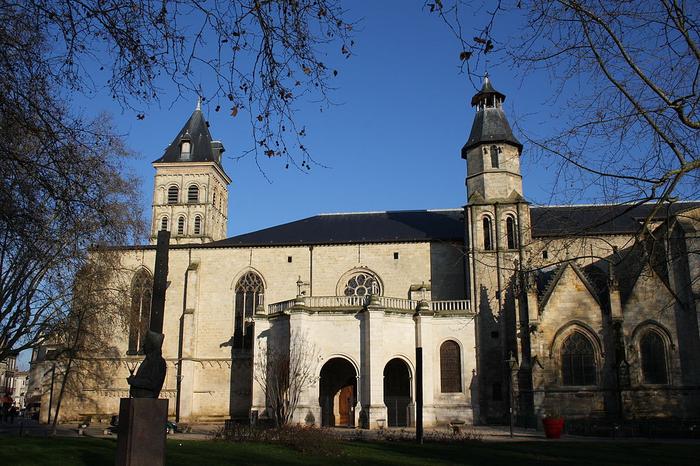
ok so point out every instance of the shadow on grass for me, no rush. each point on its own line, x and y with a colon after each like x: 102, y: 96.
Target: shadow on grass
x: 525, y: 453
x: 93, y: 451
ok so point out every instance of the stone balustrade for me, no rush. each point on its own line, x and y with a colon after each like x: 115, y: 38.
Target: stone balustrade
x: 385, y: 302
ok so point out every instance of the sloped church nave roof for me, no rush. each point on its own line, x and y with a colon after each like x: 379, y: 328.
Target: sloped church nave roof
x: 444, y: 225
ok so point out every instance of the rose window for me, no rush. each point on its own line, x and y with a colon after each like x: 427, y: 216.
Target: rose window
x: 362, y: 284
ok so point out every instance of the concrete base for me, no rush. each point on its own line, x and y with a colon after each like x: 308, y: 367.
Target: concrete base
x: 142, y: 432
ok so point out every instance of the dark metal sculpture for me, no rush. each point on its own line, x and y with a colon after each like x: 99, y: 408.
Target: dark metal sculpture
x: 150, y: 376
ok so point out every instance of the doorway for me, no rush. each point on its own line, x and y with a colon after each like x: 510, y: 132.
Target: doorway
x: 338, y: 393
x: 397, y: 393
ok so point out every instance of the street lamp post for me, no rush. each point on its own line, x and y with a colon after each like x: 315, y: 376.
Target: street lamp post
x: 419, y: 373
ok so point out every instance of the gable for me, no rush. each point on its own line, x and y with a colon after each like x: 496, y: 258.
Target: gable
x: 649, y: 292
x: 570, y: 295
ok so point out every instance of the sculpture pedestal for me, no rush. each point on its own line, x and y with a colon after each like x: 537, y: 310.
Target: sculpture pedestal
x: 142, y: 432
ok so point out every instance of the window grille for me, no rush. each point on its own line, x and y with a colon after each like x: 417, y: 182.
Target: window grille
x: 249, y: 295
x: 450, y: 368
x: 362, y: 284
x: 173, y: 194
x: 193, y: 194
x: 181, y: 226
x: 578, y: 361
x: 140, y: 315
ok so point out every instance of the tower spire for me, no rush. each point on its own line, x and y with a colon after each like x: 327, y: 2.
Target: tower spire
x: 199, y: 104
x: 490, y: 123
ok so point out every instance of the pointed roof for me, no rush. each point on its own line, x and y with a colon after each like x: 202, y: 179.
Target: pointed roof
x: 490, y: 123
x: 202, y: 148
x: 486, y: 90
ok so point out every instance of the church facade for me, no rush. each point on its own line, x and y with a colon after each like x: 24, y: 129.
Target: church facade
x: 563, y: 310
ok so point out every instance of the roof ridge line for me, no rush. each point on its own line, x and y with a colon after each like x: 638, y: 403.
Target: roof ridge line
x: 609, y: 204
x: 453, y: 209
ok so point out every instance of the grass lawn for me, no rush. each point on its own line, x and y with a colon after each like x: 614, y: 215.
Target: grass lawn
x: 93, y: 452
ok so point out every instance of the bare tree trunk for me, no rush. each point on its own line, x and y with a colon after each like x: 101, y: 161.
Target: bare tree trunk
x: 69, y: 365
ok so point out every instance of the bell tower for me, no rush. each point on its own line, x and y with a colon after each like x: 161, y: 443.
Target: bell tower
x: 190, y: 193
x: 498, y: 228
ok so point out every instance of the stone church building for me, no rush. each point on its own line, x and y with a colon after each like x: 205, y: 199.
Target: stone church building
x: 572, y: 310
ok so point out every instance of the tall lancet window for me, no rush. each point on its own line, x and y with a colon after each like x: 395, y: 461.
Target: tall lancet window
x: 198, y: 225
x: 249, y: 295
x: 578, y: 361
x: 181, y: 225
x: 494, y: 156
x: 450, y: 368
x: 488, y: 234
x: 173, y: 195
x: 653, y: 353
x: 140, y: 313
x: 511, y: 233
x: 193, y: 194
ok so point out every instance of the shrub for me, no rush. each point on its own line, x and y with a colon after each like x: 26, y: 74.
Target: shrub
x: 305, y: 439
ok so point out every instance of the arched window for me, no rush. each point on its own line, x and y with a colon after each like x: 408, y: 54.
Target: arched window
x: 185, y: 149
x: 198, y: 225
x: 249, y: 295
x: 450, y: 368
x: 181, y: 225
x: 511, y: 233
x: 488, y: 241
x: 362, y: 284
x: 164, y: 223
x: 653, y: 353
x: 494, y: 156
x: 140, y: 315
x: 193, y: 194
x: 578, y: 360
x: 173, y: 195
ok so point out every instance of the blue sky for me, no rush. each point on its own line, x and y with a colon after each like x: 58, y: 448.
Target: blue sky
x: 392, y: 142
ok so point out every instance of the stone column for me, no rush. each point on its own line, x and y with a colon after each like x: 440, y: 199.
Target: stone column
x: 372, y: 377
x: 186, y: 373
x: 300, y: 335
x: 262, y: 326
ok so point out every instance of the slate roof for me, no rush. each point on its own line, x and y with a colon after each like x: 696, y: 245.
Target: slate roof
x: 490, y: 124
x: 372, y: 227
x: 441, y: 225
x: 202, y: 149
x: 486, y: 90
x: 590, y: 220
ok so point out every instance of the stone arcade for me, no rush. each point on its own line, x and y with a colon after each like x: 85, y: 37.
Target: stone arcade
x: 598, y: 328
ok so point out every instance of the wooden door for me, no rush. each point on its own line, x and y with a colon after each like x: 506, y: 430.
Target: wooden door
x: 345, y: 406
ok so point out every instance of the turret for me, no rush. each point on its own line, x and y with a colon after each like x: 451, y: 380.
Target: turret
x: 492, y: 151
x: 190, y: 195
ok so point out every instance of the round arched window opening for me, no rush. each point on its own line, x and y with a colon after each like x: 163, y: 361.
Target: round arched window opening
x: 362, y: 284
